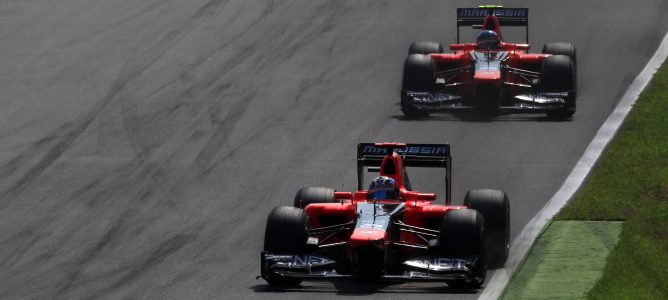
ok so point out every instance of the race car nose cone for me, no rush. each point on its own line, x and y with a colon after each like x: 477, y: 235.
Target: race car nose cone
x: 367, y: 236
x: 487, y: 77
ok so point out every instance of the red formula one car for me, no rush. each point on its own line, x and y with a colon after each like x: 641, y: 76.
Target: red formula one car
x: 388, y: 231
x: 490, y: 75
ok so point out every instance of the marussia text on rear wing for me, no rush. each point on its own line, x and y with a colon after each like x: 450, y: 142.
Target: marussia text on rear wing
x: 412, y: 155
x: 505, y: 16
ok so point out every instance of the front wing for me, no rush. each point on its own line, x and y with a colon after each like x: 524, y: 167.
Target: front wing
x: 310, y: 267
x: 522, y: 103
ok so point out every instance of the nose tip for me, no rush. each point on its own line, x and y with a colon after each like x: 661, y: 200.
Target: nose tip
x: 487, y: 76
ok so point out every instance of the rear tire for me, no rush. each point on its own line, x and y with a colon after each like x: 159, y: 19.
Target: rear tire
x: 557, y: 76
x: 495, y: 208
x: 562, y: 49
x: 423, y: 47
x: 310, y: 195
x: 462, y: 235
x: 419, y: 76
x: 286, y: 233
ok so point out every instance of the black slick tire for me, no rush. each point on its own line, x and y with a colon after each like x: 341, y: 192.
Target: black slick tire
x: 419, y: 76
x: 286, y: 233
x: 462, y: 236
x: 495, y: 209
x: 557, y: 76
x: 309, y: 195
x: 424, y: 47
x: 562, y: 49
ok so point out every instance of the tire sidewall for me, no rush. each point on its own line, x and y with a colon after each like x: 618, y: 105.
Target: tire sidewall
x: 462, y: 235
x: 286, y: 232
x: 494, y: 206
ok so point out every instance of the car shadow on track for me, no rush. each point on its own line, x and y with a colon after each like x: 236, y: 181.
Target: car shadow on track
x: 363, y: 288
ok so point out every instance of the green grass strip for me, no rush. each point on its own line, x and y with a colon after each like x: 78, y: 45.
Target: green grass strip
x: 566, y: 260
x: 630, y: 183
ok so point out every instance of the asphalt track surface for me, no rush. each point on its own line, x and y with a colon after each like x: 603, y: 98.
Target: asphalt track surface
x: 143, y: 143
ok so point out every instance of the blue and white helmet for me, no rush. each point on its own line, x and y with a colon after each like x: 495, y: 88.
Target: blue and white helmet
x: 487, y: 40
x: 383, y: 187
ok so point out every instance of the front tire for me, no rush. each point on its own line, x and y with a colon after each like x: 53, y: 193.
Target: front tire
x: 557, y: 76
x: 419, y: 76
x: 495, y: 208
x: 462, y: 235
x: 286, y: 233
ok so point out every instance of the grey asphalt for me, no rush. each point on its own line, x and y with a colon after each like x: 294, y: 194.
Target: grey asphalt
x: 143, y: 143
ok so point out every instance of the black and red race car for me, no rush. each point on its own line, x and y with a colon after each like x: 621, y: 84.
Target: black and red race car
x: 399, y: 234
x: 490, y: 75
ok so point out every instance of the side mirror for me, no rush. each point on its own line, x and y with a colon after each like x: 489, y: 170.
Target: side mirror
x: 426, y: 196
x: 343, y: 195
x: 462, y: 47
x: 456, y: 47
x: 413, y: 196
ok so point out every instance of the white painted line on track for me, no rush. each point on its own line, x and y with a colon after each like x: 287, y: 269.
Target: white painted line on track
x: 525, y: 239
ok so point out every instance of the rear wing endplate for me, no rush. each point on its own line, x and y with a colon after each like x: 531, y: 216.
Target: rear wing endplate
x: 505, y: 16
x: 413, y: 155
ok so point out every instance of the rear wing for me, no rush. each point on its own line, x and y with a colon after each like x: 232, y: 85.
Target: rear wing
x: 413, y: 155
x: 506, y: 17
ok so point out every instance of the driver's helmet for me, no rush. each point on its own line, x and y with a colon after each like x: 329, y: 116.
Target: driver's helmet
x: 487, y: 40
x: 383, y: 187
